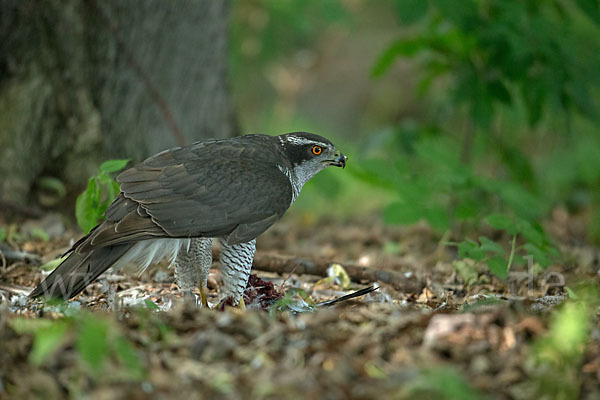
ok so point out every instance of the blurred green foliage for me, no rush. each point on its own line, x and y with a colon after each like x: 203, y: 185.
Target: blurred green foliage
x: 97, y: 340
x: 440, y: 383
x: 503, y: 60
x: 266, y: 30
x: 555, y: 362
x: 534, y: 243
x: 543, y: 54
x: 267, y: 35
x: 515, y: 132
x: 99, y: 194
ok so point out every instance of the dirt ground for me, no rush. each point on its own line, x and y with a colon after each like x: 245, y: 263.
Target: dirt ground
x: 437, y: 333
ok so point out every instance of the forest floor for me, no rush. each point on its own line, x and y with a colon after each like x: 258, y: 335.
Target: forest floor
x: 447, y: 329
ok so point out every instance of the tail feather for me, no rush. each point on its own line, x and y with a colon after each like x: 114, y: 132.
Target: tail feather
x: 78, y: 271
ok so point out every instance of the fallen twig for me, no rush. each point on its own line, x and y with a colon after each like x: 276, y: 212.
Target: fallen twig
x: 3, y: 259
x: 15, y: 289
x: 10, y: 255
x: 301, y: 266
x: 349, y: 296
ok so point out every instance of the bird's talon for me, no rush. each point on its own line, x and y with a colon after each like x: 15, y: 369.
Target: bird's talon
x: 227, y: 302
x: 190, y: 297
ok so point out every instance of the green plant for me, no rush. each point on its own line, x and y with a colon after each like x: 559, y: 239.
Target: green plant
x: 440, y: 383
x: 431, y: 182
x: 499, y: 52
x: 96, y: 340
x: 535, y: 244
x: 100, y: 192
x: 555, y: 359
x: 503, y: 70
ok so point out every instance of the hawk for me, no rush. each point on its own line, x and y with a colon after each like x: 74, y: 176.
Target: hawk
x: 174, y: 204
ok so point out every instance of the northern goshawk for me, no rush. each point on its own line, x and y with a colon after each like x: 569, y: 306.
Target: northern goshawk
x: 173, y: 204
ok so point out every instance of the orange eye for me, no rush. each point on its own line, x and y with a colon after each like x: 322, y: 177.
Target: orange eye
x: 316, y: 150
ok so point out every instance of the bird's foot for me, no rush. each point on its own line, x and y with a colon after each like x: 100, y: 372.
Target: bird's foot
x: 189, y: 296
x: 227, y: 302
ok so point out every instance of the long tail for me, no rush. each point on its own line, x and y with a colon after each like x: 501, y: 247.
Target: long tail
x: 78, y: 271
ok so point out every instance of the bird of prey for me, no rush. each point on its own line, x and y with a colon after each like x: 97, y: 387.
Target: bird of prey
x: 174, y: 204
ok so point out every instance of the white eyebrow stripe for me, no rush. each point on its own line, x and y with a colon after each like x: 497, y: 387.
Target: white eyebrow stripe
x: 300, y: 140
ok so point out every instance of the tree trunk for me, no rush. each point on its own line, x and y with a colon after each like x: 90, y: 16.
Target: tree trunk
x: 82, y: 81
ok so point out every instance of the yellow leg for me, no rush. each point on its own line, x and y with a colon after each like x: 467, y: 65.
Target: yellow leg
x: 241, y: 305
x: 203, y: 297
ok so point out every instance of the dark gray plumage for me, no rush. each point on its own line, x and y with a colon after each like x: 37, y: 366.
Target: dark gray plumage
x: 233, y: 189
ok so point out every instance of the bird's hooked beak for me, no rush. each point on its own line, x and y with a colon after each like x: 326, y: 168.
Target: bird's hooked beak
x: 339, y: 161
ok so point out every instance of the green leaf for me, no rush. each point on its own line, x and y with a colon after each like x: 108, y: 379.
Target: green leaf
x: 517, y: 162
x: 534, y: 95
x: 404, y: 47
x: 129, y: 357
x: 530, y: 233
x: 467, y: 208
x: 482, y: 111
x: 520, y: 200
x: 437, y: 217
x: 112, y: 188
x: 467, y: 272
x: 570, y: 329
x: 50, y: 265
x: 491, y: 246
x: 462, y: 12
x: 47, y: 340
x: 540, y: 256
x: 498, y: 91
x: 92, y: 342
x: 410, y: 11
x: 470, y: 249
x: 27, y: 325
x: 151, y: 305
x: 113, y: 165
x: 2, y: 234
x: 500, y: 221
x: 39, y: 233
x: 85, y: 207
x: 441, y: 383
x: 52, y: 184
x: 374, y: 371
x: 591, y: 8
x: 497, y: 265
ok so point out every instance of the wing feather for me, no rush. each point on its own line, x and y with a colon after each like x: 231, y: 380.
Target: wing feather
x: 212, y: 187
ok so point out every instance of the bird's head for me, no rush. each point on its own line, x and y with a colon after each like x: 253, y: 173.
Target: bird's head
x: 309, y: 153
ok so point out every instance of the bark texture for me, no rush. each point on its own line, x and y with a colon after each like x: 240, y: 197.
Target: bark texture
x: 82, y: 81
